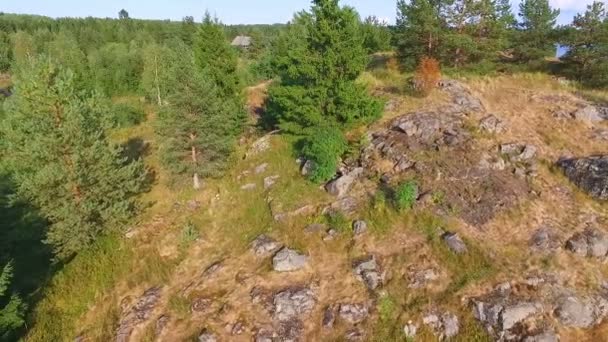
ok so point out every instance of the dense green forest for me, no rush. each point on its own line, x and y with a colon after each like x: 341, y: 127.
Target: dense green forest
x: 65, y: 182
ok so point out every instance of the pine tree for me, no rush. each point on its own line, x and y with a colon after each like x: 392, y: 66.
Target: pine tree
x: 12, y: 313
x: 536, y: 28
x: 376, y: 35
x: 199, y: 126
x: 216, y: 57
x: 6, y: 52
x: 420, y: 30
x: 123, y: 14
x: 61, y: 159
x: 320, y: 58
x: 477, y: 33
x: 587, y: 41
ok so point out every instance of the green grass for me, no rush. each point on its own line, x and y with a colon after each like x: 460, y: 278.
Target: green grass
x: 80, y: 284
x: 88, y: 279
x: 466, y: 268
x: 179, y: 305
x: 387, y: 328
x: 339, y: 222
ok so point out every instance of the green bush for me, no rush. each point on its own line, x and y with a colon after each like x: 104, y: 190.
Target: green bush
x: 126, y: 115
x: 189, y: 234
x: 324, y: 147
x: 406, y: 195
x: 339, y: 222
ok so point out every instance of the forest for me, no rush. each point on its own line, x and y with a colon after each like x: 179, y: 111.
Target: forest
x: 72, y: 180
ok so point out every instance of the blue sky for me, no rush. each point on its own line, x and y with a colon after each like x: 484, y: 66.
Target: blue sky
x: 229, y: 11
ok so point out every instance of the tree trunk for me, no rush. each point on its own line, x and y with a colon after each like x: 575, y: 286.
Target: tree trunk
x: 160, y: 101
x: 195, y: 179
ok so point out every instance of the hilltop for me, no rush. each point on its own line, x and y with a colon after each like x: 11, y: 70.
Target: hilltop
x: 482, y: 153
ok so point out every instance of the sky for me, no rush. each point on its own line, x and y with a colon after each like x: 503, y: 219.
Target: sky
x: 229, y: 11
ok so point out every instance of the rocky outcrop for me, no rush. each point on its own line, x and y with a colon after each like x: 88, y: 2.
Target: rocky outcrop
x: 207, y: 336
x: 577, y: 312
x: 590, y: 243
x: 259, y: 146
x: 544, y: 240
x: 264, y: 245
x: 465, y: 102
x: 341, y: 185
x: 590, y: 174
x: 454, y: 243
x: 290, y: 304
x: 359, y: 227
x: 368, y: 271
x: 591, y: 114
x: 270, y: 181
x: 137, y: 314
x: 353, y: 313
x: 492, y: 124
x: 444, y: 326
x: 420, y: 279
x: 288, y: 260
x: 518, y: 153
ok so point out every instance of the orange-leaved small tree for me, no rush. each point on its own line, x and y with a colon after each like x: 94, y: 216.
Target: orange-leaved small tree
x: 427, y: 76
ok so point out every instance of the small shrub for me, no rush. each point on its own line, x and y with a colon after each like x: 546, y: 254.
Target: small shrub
x: 339, y: 222
x: 189, y: 234
x: 126, y: 115
x: 406, y: 195
x: 438, y: 197
x: 324, y: 147
x: 427, y: 76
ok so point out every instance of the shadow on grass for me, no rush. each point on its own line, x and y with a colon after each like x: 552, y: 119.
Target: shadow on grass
x: 22, y: 232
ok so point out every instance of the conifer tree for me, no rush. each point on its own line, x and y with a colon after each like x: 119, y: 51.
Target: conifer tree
x: 318, y: 69
x: 198, y: 128
x: 12, y: 312
x: 376, y: 35
x: 420, y: 30
x: 216, y: 57
x: 61, y: 159
x: 534, y: 39
x: 587, y: 57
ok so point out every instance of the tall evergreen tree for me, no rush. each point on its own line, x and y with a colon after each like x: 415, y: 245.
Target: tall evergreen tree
x: 62, y: 160
x: 216, y: 57
x: 123, y: 14
x: 587, y: 42
x: 199, y: 127
x: 318, y: 69
x: 12, y: 313
x: 534, y: 39
x: 477, y: 31
x: 420, y: 29
x: 376, y: 35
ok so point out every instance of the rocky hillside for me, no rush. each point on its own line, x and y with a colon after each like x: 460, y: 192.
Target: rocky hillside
x: 507, y: 239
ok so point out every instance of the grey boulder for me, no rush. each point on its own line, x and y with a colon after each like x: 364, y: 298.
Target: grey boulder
x: 288, y: 260
x: 341, y: 185
x: 354, y: 313
x: 590, y: 174
x: 289, y: 304
x: 264, y: 245
x: 454, y: 243
x: 591, y: 242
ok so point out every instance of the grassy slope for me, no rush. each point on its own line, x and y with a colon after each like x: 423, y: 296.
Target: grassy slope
x: 85, y: 297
